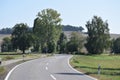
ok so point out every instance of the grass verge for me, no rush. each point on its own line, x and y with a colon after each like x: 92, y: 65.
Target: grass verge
x: 2, y: 70
x: 18, y: 56
x: 110, y: 66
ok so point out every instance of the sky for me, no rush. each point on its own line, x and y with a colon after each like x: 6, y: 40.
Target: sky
x: 73, y: 12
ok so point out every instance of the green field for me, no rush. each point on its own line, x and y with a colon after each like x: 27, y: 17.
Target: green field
x: 110, y: 66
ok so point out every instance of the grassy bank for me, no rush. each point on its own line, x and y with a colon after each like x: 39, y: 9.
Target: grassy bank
x: 9, y: 56
x: 110, y: 66
x: 2, y: 70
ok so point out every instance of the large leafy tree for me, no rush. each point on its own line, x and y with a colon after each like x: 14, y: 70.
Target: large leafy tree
x: 116, y: 45
x: 47, y: 27
x: 21, y: 37
x: 98, y: 35
x: 76, y: 42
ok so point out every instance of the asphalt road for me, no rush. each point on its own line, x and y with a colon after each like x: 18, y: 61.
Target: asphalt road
x: 51, y: 68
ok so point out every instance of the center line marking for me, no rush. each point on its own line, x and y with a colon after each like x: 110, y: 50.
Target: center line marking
x: 46, y: 68
x: 53, y: 77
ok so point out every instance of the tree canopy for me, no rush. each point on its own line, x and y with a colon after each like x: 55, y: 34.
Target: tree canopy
x: 21, y: 38
x: 62, y: 43
x: 116, y: 46
x: 47, y: 26
x: 98, y: 35
x: 76, y: 42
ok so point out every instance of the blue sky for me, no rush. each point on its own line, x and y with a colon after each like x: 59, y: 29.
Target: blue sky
x: 73, y: 12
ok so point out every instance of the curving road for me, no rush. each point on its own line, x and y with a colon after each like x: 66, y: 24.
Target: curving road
x: 51, y: 68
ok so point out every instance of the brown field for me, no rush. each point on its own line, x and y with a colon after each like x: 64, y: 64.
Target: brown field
x: 68, y: 34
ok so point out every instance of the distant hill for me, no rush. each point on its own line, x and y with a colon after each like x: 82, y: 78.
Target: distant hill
x: 6, y: 31
x: 64, y: 28
x: 68, y: 34
x: 67, y: 29
x: 72, y: 28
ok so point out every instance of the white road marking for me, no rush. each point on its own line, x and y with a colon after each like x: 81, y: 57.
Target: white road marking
x: 53, y: 77
x: 46, y: 68
x: 78, y: 71
x: 8, y: 75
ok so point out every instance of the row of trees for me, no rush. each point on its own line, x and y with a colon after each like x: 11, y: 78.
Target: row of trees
x: 44, y: 35
x: 6, y: 31
x: 98, y: 39
x: 47, y: 36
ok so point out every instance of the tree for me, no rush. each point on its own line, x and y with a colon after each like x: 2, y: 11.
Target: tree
x: 98, y: 35
x: 6, y: 45
x: 21, y: 37
x: 76, y: 42
x: 47, y: 27
x: 62, y: 43
x: 116, y: 46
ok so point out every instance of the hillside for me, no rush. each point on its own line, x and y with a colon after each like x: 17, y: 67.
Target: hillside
x: 68, y: 33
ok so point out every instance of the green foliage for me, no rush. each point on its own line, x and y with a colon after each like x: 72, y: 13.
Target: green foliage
x: 98, y: 35
x: 21, y: 37
x: 47, y: 27
x: 116, y: 46
x: 62, y: 43
x: 36, y: 43
x: 76, y: 42
x: 6, y: 45
x: 51, y: 47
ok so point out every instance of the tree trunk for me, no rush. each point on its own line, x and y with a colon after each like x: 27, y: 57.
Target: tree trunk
x: 23, y: 51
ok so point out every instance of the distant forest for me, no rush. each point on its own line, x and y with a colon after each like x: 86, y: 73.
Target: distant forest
x: 6, y: 31
x: 72, y: 28
x: 64, y: 28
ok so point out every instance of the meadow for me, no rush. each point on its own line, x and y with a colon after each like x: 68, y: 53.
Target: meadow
x: 109, y: 66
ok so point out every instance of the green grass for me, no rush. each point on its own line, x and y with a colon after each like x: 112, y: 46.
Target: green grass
x: 2, y: 70
x: 10, y: 56
x: 110, y: 66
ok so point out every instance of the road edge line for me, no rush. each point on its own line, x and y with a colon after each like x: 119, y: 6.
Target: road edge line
x: 53, y: 77
x: 9, y: 73
x: 77, y: 70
